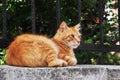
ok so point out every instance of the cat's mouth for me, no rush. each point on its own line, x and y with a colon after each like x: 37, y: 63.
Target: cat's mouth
x: 73, y: 45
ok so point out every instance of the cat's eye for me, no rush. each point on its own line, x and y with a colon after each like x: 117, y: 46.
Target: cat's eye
x: 72, y: 35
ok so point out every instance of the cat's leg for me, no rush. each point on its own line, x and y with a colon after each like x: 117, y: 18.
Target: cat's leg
x: 58, y: 63
x: 71, y: 60
x: 53, y: 61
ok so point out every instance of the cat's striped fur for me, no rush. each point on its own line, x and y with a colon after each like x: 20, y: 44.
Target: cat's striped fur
x: 37, y: 50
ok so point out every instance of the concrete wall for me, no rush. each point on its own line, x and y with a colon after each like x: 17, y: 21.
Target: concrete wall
x: 79, y: 72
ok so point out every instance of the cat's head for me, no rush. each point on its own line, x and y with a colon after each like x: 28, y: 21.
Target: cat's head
x: 69, y: 35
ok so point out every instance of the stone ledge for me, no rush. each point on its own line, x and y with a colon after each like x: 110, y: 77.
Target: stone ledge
x: 79, y: 72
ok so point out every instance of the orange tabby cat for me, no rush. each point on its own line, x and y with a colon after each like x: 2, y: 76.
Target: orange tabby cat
x: 37, y: 50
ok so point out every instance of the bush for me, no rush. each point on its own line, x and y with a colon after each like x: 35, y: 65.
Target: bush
x: 95, y: 57
x: 2, y: 56
x: 19, y: 21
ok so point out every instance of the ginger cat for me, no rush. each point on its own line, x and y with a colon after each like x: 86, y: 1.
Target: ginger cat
x: 36, y: 50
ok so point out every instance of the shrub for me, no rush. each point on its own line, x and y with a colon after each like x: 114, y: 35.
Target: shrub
x: 2, y: 56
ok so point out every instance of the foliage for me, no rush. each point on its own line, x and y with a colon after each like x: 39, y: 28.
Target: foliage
x: 95, y: 57
x: 2, y: 56
x: 91, y: 34
x: 19, y: 21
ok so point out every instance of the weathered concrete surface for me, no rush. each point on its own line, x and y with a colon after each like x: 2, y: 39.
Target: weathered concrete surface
x: 79, y: 72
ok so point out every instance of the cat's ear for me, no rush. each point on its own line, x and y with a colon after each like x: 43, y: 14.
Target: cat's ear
x: 63, y: 26
x: 78, y: 26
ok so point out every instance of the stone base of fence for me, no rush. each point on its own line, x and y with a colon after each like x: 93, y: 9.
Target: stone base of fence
x: 79, y: 72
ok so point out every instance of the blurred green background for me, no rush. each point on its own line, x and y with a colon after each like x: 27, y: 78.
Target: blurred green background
x: 19, y: 21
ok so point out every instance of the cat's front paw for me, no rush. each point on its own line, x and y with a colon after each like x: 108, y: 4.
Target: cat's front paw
x: 58, y: 63
x: 72, y: 61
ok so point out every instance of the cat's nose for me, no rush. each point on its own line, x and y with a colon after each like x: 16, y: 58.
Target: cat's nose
x: 78, y: 41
